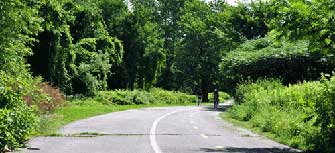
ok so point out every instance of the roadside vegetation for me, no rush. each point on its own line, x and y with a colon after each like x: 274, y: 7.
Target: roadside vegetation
x: 76, y: 108
x: 63, y: 60
x: 298, y: 115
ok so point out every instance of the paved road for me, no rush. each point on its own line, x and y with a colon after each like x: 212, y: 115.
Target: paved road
x: 155, y: 130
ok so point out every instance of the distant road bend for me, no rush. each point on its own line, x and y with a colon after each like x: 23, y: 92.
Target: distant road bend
x: 155, y: 130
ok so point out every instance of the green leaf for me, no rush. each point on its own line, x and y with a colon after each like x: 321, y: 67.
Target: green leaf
x: 328, y: 41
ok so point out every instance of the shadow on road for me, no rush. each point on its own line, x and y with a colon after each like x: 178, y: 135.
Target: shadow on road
x: 249, y: 150
x: 221, y: 108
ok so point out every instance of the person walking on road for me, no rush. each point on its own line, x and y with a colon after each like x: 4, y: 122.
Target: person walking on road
x: 199, y: 97
x: 216, y: 98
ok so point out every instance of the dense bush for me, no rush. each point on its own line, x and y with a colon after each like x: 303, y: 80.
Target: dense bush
x: 287, y: 112
x: 155, y: 95
x: 16, y: 119
x: 265, y: 57
x: 325, y: 108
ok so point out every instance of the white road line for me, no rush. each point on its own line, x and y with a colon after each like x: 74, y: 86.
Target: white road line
x: 204, y: 136
x: 153, y: 141
x: 195, y: 127
x: 218, y: 147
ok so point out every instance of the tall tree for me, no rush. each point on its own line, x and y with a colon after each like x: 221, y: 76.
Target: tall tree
x: 312, y: 20
x: 201, y: 46
x: 169, y: 15
x: 250, y: 20
x: 148, y: 55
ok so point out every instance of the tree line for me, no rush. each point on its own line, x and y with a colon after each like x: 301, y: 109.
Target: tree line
x: 88, y: 45
x: 83, y: 46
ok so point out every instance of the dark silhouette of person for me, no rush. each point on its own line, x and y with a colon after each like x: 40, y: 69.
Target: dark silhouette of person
x: 199, y: 97
x: 216, y: 98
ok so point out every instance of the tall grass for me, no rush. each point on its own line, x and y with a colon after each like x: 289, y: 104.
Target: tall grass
x: 287, y: 113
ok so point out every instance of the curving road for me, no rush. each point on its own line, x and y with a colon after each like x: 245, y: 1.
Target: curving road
x: 155, y: 130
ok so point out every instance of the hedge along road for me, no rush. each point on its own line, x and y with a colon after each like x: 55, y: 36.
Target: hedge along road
x: 155, y: 130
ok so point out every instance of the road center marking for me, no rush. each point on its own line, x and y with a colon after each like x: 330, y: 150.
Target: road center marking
x: 204, y: 136
x: 195, y: 127
x: 153, y: 141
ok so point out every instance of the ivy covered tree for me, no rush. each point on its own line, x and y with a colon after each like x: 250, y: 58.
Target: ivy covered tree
x: 74, y: 34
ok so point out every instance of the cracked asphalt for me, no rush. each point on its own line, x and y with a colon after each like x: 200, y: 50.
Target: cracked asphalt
x: 155, y: 130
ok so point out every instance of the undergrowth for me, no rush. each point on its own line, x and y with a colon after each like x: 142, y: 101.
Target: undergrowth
x: 288, y: 113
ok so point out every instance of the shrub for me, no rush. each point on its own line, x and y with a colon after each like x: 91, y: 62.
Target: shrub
x: 16, y: 120
x: 288, y: 112
x: 154, y: 96
x: 56, y: 97
x: 325, y: 108
x: 249, y: 87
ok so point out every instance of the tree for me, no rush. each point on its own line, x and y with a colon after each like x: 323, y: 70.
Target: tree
x: 75, y: 47
x: 250, y: 20
x: 312, y: 20
x: 168, y: 17
x: 201, y: 47
x: 146, y: 55
x: 154, y: 55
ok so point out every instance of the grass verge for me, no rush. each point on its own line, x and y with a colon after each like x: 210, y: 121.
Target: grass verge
x: 227, y: 117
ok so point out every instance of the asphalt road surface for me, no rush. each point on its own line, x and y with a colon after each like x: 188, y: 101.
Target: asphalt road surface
x: 155, y: 130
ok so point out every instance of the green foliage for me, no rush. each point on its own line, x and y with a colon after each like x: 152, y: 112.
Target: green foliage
x: 16, y: 119
x: 19, y: 21
x: 154, y: 56
x: 312, y: 20
x: 200, y: 47
x: 91, y: 63
x: 288, y: 113
x: 16, y: 125
x: 265, y: 57
x: 169, y: 16
x: 148, y: 55
x: 154, y: 96
x: 78, y: 51
x: 87, y: 46
x: 325, y: 108
x: 250, y: 19
x: 249, y: 87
